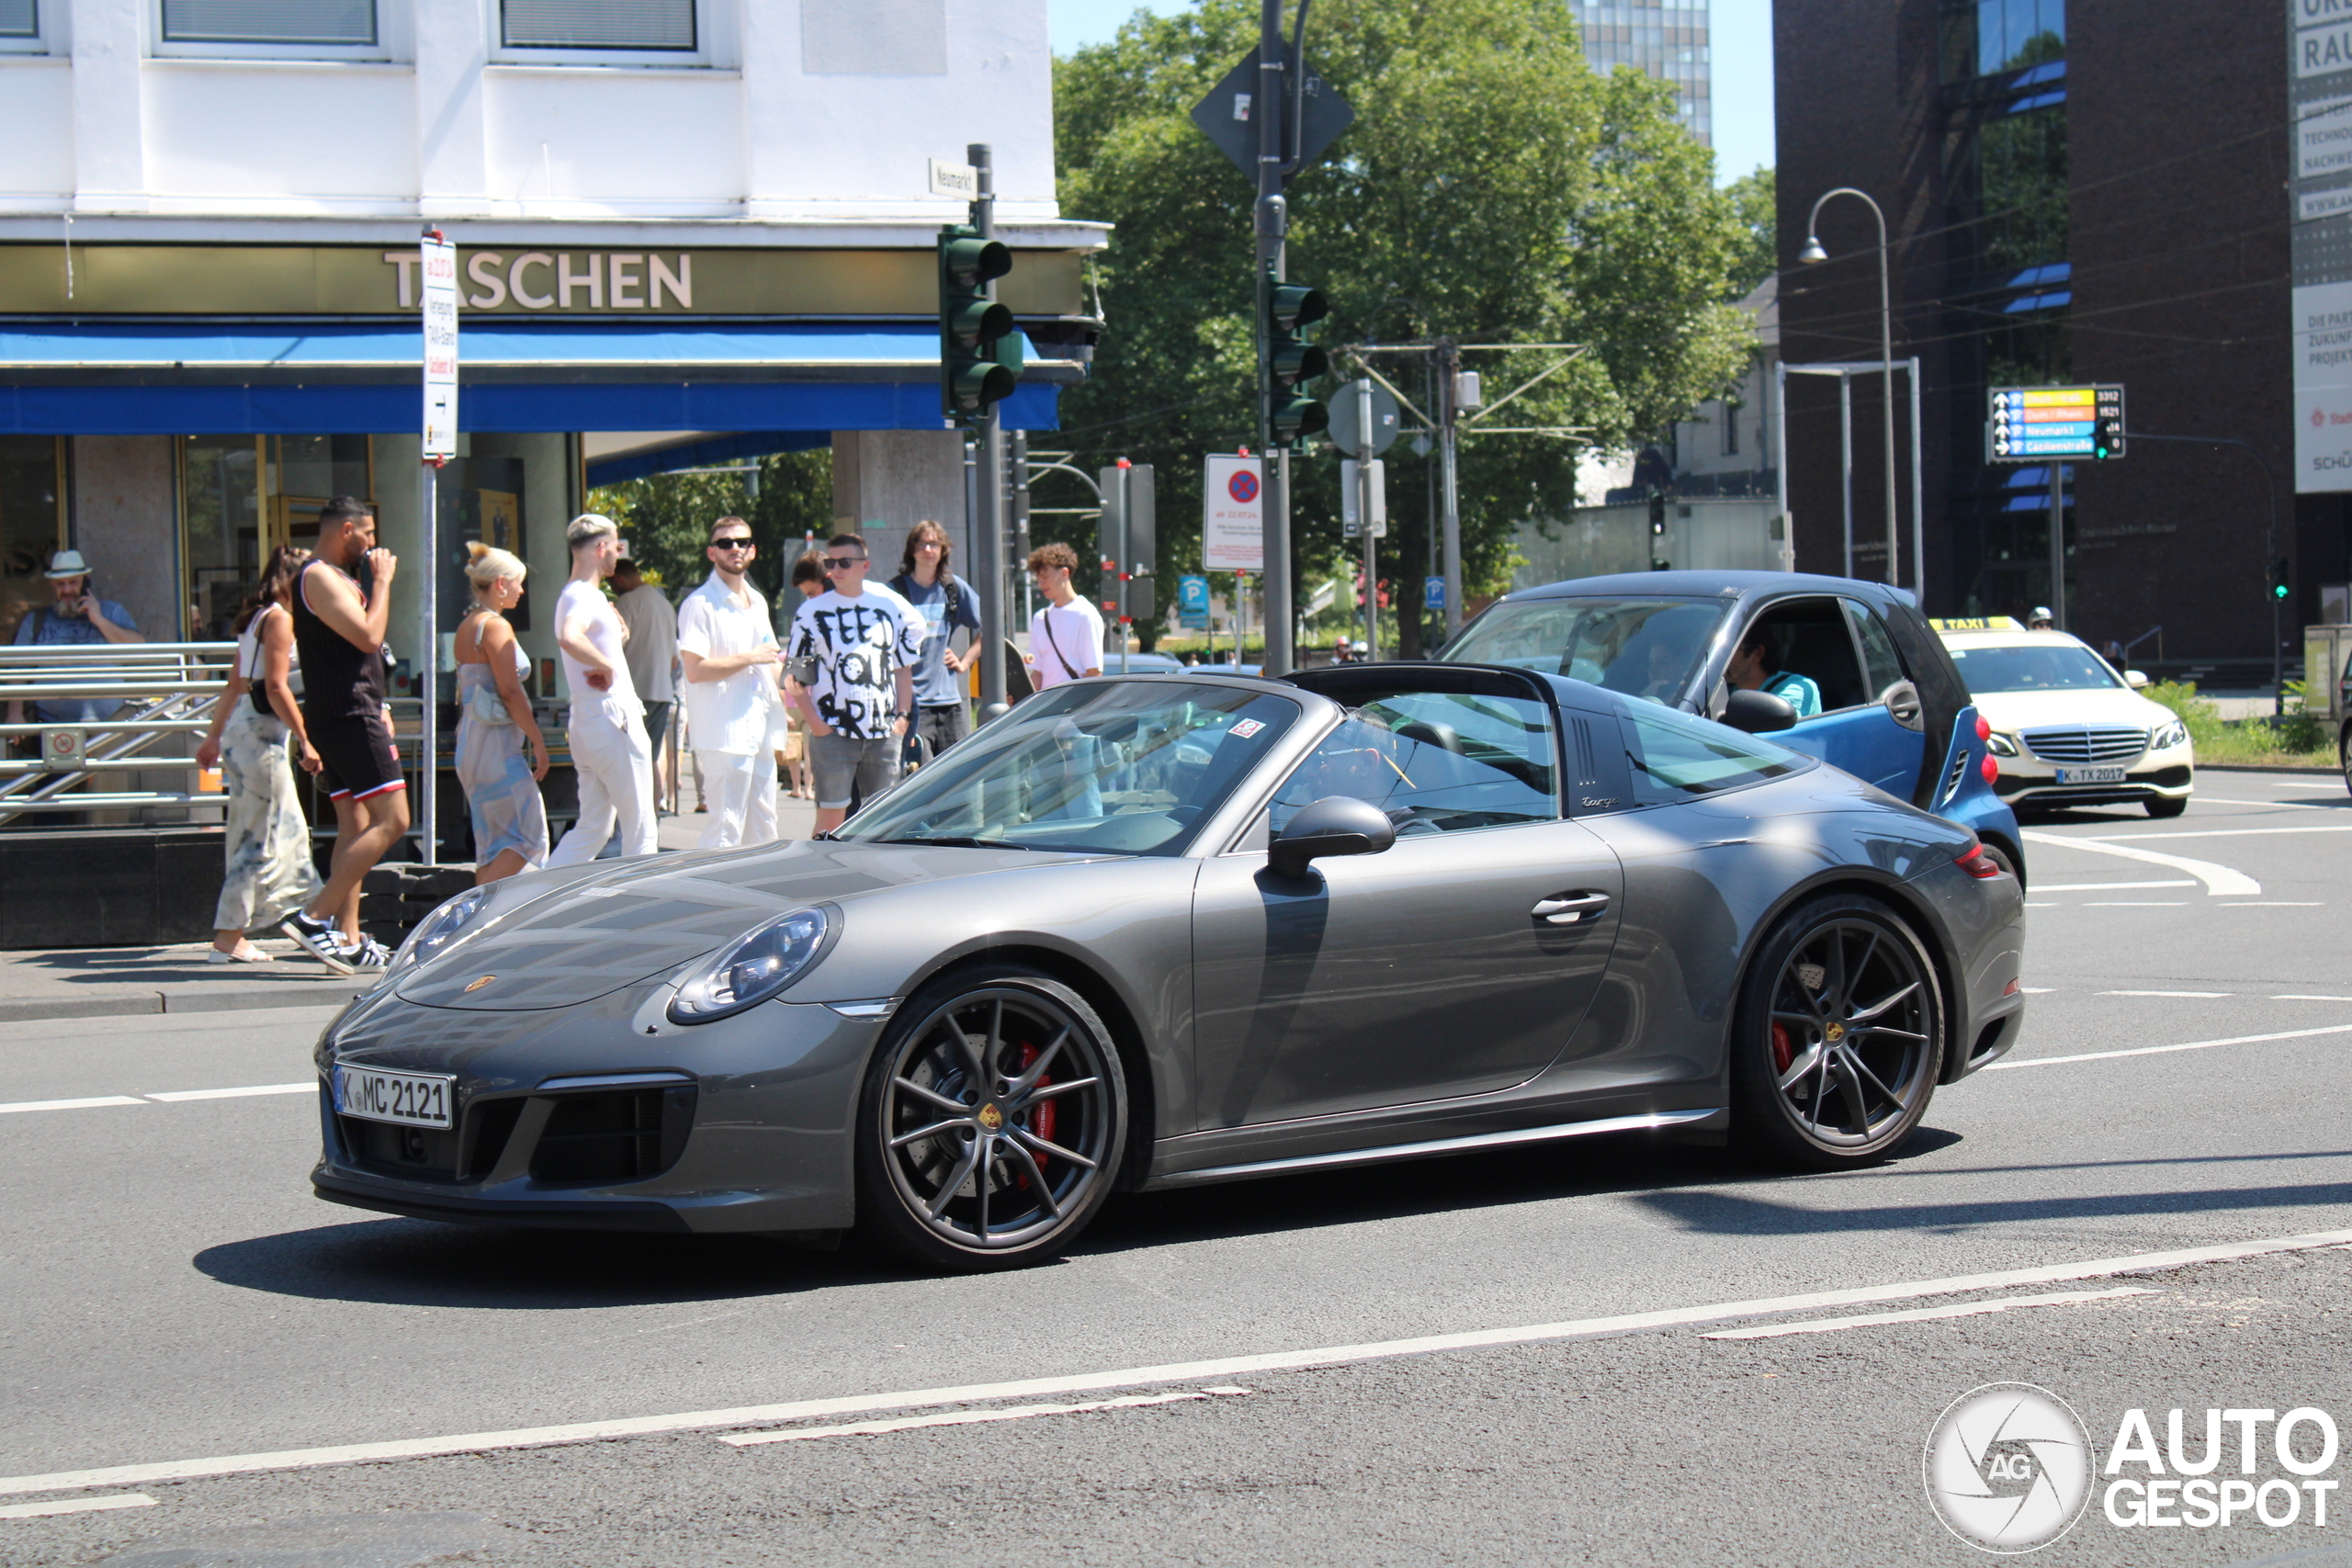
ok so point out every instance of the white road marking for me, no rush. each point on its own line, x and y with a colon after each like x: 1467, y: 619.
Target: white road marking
x: 2104, y: 887
x: 2226, y: 832
x: 2291, y: 998
x: 1922, y: 1314
x: 73, y: 1104
x: 2300, y: 783
x: 1182, y: 1371
x: 2037, y: 991
x: 310, y: 1088
x: 2273, y: 904
x: 2220, y: 881
x: 75, y: 1506
x: 2135, y: 904
x: 958, y: 1418
x: 2160, y: 1050
x: 2051, y: 905
x: 2278, y: 805
x: 2168, y: 993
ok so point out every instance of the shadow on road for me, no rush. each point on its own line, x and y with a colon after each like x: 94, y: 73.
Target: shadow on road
x: 420, y: 1263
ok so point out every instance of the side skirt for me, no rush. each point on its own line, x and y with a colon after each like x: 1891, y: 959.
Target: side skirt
x: 1695, y: 1121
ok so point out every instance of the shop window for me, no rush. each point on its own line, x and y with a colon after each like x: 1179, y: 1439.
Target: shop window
x: 241, y: 496
x: 269, y: 22
x: 32, y: 523
x: 663, y: 25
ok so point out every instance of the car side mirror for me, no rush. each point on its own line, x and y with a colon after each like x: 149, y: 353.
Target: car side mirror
x: 2136, y: 679
x: 1758, y: 713
x: 1335, y: 825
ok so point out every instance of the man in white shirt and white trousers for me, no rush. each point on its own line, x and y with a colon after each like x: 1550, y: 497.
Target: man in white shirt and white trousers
x: 727, y: 648
x: 606, y: 726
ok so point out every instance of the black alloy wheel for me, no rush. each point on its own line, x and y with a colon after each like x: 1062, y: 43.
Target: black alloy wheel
x: 991, y: 1124
x: 1840, y: 1039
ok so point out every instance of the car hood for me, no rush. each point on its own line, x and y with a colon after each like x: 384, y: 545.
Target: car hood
x: 2013, y: 710
x: 584, y: 937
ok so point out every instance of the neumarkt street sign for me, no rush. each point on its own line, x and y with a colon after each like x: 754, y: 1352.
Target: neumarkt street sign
x: 2030, y: 425
x: 1228, y: 117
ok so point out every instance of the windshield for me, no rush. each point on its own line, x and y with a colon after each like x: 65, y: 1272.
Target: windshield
x: 2050, y: 667
x: 1644, y: 647
x: 1117, y: 768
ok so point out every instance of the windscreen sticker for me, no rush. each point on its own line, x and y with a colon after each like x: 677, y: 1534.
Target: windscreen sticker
x: 1248, y: 728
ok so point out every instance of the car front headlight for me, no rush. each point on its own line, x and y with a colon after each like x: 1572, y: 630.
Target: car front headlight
x: 2000, y: 745
x: 440, y: 931
x: 2163, y: 736
x: 752, y: 969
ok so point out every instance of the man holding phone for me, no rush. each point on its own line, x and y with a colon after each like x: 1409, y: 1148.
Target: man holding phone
x: 75, y: 615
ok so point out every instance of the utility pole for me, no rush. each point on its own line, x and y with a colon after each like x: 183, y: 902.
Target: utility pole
x: 1272, y: 226
x: 990, y: 486
x: 1449, y: 379
x: 2057, y: 544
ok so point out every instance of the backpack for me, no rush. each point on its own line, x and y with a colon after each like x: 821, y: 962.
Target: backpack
x: 904, y: 584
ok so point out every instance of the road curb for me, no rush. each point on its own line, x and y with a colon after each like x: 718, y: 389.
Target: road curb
x: 2265, y: 767
x: 194, y: 999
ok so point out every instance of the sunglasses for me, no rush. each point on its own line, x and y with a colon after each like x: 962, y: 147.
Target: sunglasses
x: 731, y: 544
x: 841, y: 563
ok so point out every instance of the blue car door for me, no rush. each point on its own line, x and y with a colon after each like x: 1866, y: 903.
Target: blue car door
x: 1870, y: 726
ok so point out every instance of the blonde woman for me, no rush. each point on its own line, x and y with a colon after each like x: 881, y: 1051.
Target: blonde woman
x: 270, y: 873
x: 495, y: 723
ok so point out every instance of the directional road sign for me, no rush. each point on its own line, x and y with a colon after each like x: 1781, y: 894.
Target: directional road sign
x: 1227, y: 117
x: 2030, y: 425
x: 1385, y: 423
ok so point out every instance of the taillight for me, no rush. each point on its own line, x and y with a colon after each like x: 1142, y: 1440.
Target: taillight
x: 1990, y: 767
x: 1984, y: 727
x: 1978, y: 865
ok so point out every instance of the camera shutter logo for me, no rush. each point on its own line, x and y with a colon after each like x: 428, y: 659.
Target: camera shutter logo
x: 2009, y: 1467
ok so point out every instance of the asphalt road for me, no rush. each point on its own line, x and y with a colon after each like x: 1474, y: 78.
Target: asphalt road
x: 176, y: 1295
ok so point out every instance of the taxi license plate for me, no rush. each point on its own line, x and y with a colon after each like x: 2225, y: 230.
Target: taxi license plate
x: 408, y: 1100
x: 2090, y: 775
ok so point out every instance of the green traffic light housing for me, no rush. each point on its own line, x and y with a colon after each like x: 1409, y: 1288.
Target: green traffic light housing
x: 1295, y: 417
x: 1292, y: 415
x: 1296, y: 305
x: 979, y: 345
x: 2106, y: 435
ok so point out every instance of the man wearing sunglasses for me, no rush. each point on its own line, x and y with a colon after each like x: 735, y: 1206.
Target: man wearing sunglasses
x: 728, y: 649
x: 854, y: 652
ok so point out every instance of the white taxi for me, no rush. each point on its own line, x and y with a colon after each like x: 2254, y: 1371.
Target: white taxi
x: 2068, y: 729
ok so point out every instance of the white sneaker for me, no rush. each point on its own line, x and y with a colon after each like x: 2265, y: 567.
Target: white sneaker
x: 317, y: 939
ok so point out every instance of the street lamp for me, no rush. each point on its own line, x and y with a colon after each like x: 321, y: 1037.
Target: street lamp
x: 1813, y: 254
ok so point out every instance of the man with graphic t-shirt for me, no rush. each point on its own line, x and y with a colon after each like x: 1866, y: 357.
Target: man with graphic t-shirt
x: 853, y: 650
x: 1066, y: 634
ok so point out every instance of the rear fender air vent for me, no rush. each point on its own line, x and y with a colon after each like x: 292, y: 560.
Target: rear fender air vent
x: 614, y: 1134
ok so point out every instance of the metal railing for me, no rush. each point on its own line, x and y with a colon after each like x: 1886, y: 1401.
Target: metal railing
x: 154, y: 692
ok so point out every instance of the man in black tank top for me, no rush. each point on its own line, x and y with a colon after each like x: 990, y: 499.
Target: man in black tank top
x: 341, y: 603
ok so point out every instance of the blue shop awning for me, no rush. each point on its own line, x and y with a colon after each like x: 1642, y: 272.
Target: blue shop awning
x: 328, y: 378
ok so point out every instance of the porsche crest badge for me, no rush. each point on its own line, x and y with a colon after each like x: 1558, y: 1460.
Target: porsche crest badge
x: 478, y: 985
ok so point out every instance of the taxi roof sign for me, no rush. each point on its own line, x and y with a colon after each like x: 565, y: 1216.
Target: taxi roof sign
x: 1978, y: 624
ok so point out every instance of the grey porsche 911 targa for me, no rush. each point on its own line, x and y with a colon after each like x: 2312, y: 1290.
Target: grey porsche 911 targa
x: 1148, y: 931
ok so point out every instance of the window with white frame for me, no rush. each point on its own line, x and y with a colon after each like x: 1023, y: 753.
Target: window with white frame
x: 270, y: 23
x: 663, y: 26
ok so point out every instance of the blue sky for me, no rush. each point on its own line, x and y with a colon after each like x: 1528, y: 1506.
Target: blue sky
x: 1741, y: 55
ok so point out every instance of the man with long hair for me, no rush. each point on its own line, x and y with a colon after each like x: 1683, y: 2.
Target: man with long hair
x: 946, y: 601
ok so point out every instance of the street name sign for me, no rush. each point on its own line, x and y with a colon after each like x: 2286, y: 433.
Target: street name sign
x: 2029, y: 425
x: 438, y: 273
x: 961, y: 181
x: 1233, y: 523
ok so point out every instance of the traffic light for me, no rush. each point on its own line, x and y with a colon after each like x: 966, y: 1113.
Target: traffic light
x: 1292, y: 415
x: 980, y: 352
x: 2107, y: 438
x: 2282, y: 584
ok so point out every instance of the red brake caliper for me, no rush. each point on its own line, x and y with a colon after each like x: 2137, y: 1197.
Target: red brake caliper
x: 1784, y: 1051
x: 1041, y: 1120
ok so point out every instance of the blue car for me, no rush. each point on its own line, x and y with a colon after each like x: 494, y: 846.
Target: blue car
x: 1869, y: 685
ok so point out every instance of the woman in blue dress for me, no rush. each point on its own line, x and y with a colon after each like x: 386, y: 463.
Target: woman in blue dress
x: 495, y: 724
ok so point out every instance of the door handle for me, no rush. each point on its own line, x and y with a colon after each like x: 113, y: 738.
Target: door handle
x: 1568, y: 910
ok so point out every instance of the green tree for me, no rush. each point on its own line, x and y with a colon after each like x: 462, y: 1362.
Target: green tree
x: 1493, y: 189
x: 666, y: 518
x: 1752, y: 197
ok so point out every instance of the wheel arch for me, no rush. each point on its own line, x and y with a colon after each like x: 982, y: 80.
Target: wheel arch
x: 1908, y: 906
x: 1117, y: 1014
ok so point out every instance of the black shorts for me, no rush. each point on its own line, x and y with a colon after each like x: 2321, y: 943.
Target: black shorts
x: 357, y: 756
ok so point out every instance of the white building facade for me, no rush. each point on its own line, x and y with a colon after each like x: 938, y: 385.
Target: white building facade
x: 687, y: 230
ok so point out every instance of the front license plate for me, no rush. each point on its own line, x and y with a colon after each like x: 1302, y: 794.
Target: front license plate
x: 411, y: 1099
x: 2090, y: 775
